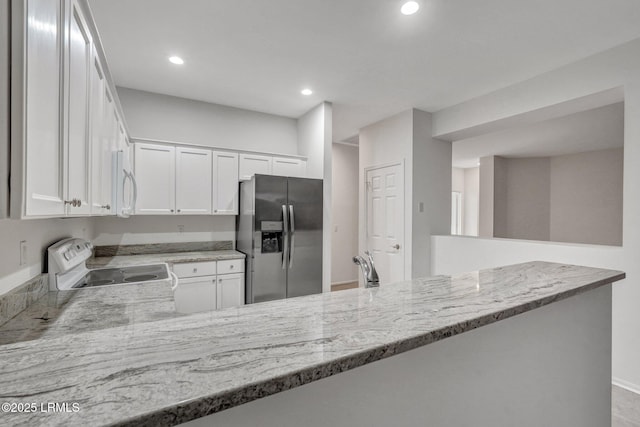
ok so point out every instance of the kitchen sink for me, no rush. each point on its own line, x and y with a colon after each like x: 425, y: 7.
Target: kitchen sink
x: 123, y: 275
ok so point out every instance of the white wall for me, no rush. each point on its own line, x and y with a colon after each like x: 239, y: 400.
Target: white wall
x: 457, y: 180
x: 162, y: 117
x: 617, y: 67
x: 386, y: 142
x: 39, y: 235
x: 163, y: 229
x: 586, y: 197
x: 314, y: 141
x: 344, y: 243
x: 471, y: 201
x: 406, y: 139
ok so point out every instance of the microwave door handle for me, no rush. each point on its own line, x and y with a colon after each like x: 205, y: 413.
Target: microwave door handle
x: 285, y: 236
x: 121, y: 200
x: 292, y: 247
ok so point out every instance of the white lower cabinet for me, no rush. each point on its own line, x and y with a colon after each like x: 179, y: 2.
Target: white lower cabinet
x: 230, y: 290
x: 201, y: 289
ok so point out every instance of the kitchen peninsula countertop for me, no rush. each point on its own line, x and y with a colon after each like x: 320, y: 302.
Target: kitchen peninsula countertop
x: 170, y: 371
x: 169, y: 258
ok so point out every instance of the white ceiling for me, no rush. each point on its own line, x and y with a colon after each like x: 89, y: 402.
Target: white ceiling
x: 596, y: 129
x: 362, y: 55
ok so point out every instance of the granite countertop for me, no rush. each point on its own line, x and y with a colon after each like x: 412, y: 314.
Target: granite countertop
x: 61, y: 313
x: 170, y: 371
x: 169, y: 258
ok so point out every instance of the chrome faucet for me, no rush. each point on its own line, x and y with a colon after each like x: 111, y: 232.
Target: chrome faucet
x: 368, y: 270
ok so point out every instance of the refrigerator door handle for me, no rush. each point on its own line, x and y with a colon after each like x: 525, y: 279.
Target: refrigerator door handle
x: 293, y: 236
x: 285, y: 236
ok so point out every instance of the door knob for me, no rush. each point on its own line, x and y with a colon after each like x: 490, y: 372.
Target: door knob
x: 396, y: 246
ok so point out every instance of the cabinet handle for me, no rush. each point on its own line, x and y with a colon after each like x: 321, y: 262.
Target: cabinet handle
x: 171, y: 210
x: 195, y: 270
x: 107, y: 207
x: 215, y: 210
x: 231, y: 267
x: 179, y: 210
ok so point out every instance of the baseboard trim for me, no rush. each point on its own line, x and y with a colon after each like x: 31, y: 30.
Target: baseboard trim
x: 634, y: 388
x: 344, y: 282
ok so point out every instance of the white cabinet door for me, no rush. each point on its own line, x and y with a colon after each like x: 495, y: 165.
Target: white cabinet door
x: 155, y: 174
x: 96, y: 108
x: 108, y: 146
x: 77, y: 81
x: 251, y: 164
x: 283, y: 166
x: 193, y: 181
x: 44, y: 145
x: 225, y: 183
x: 196, y: 294
x: 230, y: 290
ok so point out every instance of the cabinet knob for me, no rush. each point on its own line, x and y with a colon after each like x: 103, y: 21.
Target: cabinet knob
x: 179, y: 210
x: 107, y: 207
x: 171, y: 210
x: 195, y: 270
x: 231, y: 267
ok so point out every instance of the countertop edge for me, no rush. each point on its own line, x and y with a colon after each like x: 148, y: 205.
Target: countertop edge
x: 211, y: 404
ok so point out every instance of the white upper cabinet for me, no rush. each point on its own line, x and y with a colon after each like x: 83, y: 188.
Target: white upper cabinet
x: 155, y: 174
x: 225, y: 183
x: 77, y: 132
x: 64, y: 124
x: 97, y: 109
x: 251, y: 164
x: 193, y: 181
x: 43, y: 146
x: 283, y: 166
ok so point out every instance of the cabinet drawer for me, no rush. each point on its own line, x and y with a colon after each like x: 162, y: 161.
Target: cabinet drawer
x: 195, y: 269
x: 231, y: 266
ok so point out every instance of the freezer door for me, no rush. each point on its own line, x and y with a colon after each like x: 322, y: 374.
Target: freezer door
x: 269, y: 262
x: 305, y: 256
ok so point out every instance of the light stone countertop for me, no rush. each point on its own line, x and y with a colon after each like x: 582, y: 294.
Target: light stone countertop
x: 169, y: 258
x: 170, y: 371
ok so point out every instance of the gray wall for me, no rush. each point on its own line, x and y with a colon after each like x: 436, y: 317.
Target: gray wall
x: 575, y: 198
x: 586, y: 197
x: 527, y: 209
x: 163, y: 117
x: 344, y: 244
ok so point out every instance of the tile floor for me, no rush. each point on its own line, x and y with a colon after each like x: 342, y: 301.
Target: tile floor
x: 625, y: 408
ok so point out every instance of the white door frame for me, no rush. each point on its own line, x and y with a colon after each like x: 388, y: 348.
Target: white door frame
x: 367, y: 169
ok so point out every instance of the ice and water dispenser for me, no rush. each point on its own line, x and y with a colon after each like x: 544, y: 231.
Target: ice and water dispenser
x: 272, y: 236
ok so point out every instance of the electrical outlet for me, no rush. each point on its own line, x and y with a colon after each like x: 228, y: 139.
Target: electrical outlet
x: 23, y: 252
x: 181, y: 229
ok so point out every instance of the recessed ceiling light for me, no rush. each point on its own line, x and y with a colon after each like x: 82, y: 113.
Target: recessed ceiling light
x: 409, y: 8
x: 306, y: 92
x: 176, y: 60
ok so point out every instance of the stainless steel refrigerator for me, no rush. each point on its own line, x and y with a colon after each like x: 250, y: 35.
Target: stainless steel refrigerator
x: 280, y: 232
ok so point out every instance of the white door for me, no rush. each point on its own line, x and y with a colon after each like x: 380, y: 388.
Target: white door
x: 44, y: 145
x: 230, y: 290
x: 283, y: 166
x: 225, y: 183
x: 385, y: 221
x: 108, y: 147
x: 155, y: 173
x: 96, y: 108
x: 251, y: 164
x: 193, y: 181
x: 77, y: 119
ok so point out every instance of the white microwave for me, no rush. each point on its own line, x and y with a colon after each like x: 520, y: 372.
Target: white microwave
x: 125, y: 188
